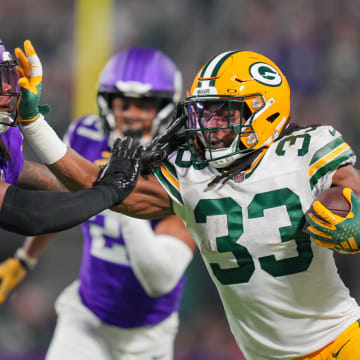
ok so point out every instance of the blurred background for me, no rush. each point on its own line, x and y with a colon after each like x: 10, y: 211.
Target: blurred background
x: 316, y: 44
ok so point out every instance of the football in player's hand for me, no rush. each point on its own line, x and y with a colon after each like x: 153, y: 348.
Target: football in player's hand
x: 334, y: 200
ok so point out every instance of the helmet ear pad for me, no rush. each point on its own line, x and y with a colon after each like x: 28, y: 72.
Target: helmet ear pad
x: 267, y: 126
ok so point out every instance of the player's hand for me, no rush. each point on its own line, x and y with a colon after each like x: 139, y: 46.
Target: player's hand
x: 30, y: 83
x: 163, y: 145
x: 11, y: 274
x: 123, y: 168
x: 333, y: 231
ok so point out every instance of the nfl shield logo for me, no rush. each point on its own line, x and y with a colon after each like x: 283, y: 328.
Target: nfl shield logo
x: 239, y: 177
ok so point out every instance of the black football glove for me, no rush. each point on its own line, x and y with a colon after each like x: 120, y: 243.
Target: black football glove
x: 122, y: 170
x: 163, y: 145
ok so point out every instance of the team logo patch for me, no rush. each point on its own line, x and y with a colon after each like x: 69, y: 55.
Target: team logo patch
x: 265, y: 74
x: 240, y: 177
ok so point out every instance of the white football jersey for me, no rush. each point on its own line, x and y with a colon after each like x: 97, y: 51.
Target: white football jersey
x: 281, y: 292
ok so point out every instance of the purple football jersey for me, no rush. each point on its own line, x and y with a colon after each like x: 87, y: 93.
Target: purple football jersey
x: 108, y: 285
x: 10, y: 170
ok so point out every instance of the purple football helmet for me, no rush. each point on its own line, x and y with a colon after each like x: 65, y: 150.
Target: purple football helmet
x: 140, y: 73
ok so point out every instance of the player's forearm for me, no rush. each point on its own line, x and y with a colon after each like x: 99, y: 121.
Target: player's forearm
x: 148, y: 200
x: 347, y: 176
x: 74, y: 171
x: 38, y: 177
x: 35, y: 245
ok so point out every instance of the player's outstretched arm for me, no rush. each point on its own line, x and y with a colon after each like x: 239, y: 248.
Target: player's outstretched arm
x: 333, y: 231
x: 39, y: 212
x: 149, y: 199
x: 34, y: 176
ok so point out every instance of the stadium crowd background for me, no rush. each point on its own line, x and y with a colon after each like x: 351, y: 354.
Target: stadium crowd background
x: 316, y: 44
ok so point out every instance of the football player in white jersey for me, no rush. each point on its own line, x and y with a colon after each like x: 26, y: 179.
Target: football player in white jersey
x: 125, y: 303
x: 242, y: 182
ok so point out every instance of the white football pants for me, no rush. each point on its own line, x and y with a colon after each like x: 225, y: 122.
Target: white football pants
x: 80, y: 335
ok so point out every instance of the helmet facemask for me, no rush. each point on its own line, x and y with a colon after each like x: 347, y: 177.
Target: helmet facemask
x: 219, y: 130
x: 9, y: 91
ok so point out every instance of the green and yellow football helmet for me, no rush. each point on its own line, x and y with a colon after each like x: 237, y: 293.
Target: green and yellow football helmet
x: 239, y: 102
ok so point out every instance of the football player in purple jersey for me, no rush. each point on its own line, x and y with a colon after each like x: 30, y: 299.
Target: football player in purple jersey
x: 32, y: 212
x: 125, y: 303
x: 24, y: 211
x: 13, y: 168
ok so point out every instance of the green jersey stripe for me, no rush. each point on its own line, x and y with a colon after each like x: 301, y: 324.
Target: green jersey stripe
x: 326, y: 149
x: 170, y: 189
x: 330, y: 166
x: 170, y: 168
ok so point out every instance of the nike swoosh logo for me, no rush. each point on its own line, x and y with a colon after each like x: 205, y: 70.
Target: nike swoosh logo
x: 332, y: 132
x: 335, y: 355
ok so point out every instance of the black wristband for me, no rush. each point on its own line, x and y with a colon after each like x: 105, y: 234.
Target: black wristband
x: 23, y: 263
x: 39, y: 212
x: 27, y: 262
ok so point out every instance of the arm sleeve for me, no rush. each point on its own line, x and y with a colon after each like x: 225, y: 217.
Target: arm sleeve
x: 158, y: 261
x: 39, y: 212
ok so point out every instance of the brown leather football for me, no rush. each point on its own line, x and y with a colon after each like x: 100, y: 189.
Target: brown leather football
x: 334, y: 200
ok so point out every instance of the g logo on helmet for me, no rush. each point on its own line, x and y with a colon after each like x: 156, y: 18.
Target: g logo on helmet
x: 265, y: 74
